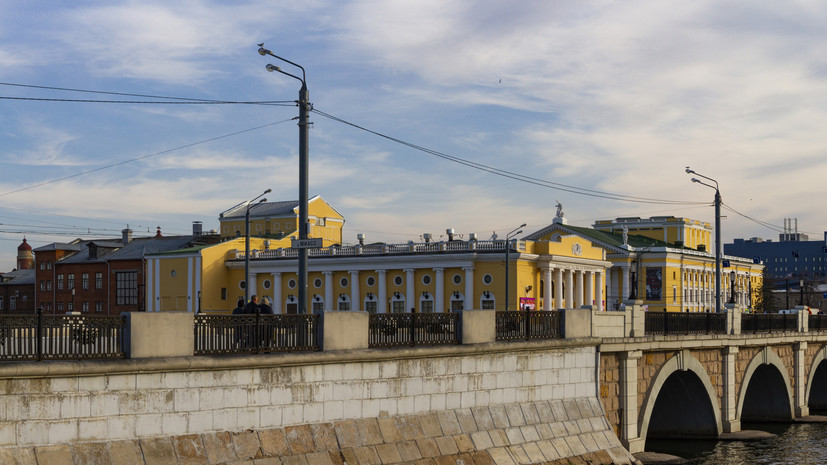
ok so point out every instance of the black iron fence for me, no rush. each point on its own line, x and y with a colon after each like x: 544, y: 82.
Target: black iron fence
x: 247, y: 334
x: 817, y: 323
x: 768, y: 322
x: 413, y: 329
x: 61, y: 337
x: 684, y: 323
x: 527, y: 325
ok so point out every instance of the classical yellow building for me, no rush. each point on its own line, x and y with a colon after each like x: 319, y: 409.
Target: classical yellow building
x: 281, y: 219
x: 559, y: 266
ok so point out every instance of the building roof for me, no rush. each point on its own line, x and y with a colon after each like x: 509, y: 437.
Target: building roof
x: 72, y: 246
x: 134, y: 250
x: 19, y: 277
x: 604, y: 237
x: 268, y: 209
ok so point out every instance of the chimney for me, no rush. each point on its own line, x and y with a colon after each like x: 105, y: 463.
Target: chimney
x: 196, y: 228
x: 427, y: 237
x: 127, y: 236
x: 450, y: 233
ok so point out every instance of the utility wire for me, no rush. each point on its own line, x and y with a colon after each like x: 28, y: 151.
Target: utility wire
x: 513, y: 175
x: 32, y: 186
x: 159, y: 102
x: 766, y: 224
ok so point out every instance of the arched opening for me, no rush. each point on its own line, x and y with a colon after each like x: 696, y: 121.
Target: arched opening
x: 818, y: 389
x: 766, y: 396
x: 682, y: 409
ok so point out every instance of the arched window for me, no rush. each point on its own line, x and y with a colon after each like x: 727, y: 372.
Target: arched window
x: 318, y: 303
x: 457, y: 301
x: 343, y: 303
x: 291, y: 305
x: 371, y: 303
x: 398, y: 303
x: 426, y: 303
x: 487, y: 301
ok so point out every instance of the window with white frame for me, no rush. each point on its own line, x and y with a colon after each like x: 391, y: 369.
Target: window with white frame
x: 370, y: 303
x: 98, y: 280
x: 487, y: 301
x: 343, y: 304
x: 318, y: 303
x: 426, y: 303
x: 398, y: 303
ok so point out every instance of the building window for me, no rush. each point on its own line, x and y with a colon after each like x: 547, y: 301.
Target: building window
x: 98, y: 280
x: 42, y: 265
x: 266, y: 284
x: 84, y: 281
x: 318, y: 303
x: 371, y: 281
x: 70, y: 306
x: 85, y: 307
x: 1, y: 303
x: 317, y: 283
x: 397, y: 280
x: 343, y: 303
x: 426, y: 305
x: 456, y: 305
x: 126, y: 288
x: 99, y: 307
x: 223, y: 293
x: 487, y: 304
x: 370, y: 306
x: 60, y: 306
x: 49, y: 285
x: 487, y: 279
x: 60, y: 282
x: 398, y: 306
x: 42, y: 285
x: 70, y: 281
x: 292, y: 284
x: 343, y: 282
x: 48, y: 265
x: 426, y: 279
x: 457, y: 279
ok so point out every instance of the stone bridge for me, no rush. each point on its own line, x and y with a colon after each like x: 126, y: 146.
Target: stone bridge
x: 702, y: 384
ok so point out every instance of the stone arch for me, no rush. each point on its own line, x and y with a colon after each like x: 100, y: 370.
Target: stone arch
x: 682, y: 362
x: 766, y: 356
x: 819, y: 357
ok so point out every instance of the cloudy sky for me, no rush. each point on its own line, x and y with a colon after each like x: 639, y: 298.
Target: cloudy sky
x: 612, y: 99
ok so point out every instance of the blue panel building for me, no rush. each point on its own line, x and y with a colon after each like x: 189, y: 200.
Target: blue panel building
x: 793, y: 256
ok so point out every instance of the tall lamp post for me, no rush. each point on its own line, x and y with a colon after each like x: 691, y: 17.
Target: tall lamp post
x: 304, y: 109
x: 508, y: 237
x: 717, y: 233
x: 247, y: 245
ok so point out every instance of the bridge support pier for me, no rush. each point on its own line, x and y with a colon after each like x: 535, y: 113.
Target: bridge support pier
x: 635, y: 318
x: 800, y: 398
x: 729, y: 399
x: 629, y: 426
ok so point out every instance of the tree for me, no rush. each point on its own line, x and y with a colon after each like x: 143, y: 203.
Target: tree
x: 764, y: 301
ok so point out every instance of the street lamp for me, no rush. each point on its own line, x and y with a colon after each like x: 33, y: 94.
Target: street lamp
x: 801, y: 292
x: 247, y: 245
x: 717, y: 233
x: 304, y: 109
x: 732, y: 287
x: 508, y: 237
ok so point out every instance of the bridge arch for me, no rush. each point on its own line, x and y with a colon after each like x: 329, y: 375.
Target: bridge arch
x: 817, y: 398
x: 772, y: 388
x: 683, y: 379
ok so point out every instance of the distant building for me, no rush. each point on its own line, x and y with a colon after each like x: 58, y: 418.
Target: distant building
x: 793, y: 256
x: 277, y: 220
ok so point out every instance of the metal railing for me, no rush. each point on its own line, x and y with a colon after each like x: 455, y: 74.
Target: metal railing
x: 61, y: 337
x: 817, y: 322
x: 523, y: 326
x: 768, y: 322
x: 413, y: 329
x: 684, y: 323
x: 248, y: 334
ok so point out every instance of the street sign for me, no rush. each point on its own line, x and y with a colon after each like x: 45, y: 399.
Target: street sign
x: 306, y: 243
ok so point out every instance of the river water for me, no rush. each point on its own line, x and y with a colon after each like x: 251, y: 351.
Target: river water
x: 798, y: 443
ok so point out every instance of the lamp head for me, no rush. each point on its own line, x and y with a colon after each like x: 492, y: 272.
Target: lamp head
x: 268, y: 191
x: 522, y: 226
x: 263, y: 200
x: 689, y: 171
x: 272, y: 68
x: 695, y: 180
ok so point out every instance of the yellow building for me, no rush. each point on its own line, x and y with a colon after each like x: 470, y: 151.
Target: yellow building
x: 676, y: 274
x: 559, y: 266
x: 281, y: 219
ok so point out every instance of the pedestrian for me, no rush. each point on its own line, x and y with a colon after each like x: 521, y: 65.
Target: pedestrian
x: 240, y: 329
x: 252, y: 306
x: 265, y: 306
x: 239, y: 308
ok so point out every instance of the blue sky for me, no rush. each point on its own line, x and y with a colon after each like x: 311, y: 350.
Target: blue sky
x: 616, y: 97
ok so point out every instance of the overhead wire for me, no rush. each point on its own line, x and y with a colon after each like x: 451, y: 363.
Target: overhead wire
x: 511, y: 174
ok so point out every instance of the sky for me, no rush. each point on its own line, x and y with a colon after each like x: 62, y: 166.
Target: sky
x: 612, y: 99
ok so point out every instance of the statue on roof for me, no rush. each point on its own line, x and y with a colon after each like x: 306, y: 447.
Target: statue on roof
x: 560, y: 213
x: 625, y: 235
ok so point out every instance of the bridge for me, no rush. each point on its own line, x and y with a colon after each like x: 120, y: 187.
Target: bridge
x: 477, y: 387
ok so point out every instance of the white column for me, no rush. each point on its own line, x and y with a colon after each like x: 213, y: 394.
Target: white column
x: 578, y: 290
x: 590, y: 288
x: 148, y: 297
x: 558, y: 288
x: 382, y: 305
x: 190, y: 296
x: 469, y: 289
x: 277, y: 303
x: 409, y: 290
x: 355, y: 300
x: 547, y: 288
x: 156, y: 299
x: 439, y: 283
x: 610, y: 292
x: 329, y: 300
x: 598, y: 297
x: 624, y: 284
x: 569, y: 289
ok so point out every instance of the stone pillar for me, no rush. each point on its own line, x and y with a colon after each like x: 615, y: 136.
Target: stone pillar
x: 439, y: 292
x: 629, y: 432
x: 329, y: 301
x: 598, y: 296
x: 344, y: 330
x: 355, y: 299
x: 558, y: 288
x: 469, y: 288
x: 410, y: 298
x: 624, y: 284
x: 382, y: 306
x: 251, y: 284
x: 635, y: 318
x: 569, y: 289
x: 733, y: 319
x: 610, y: 292
x: 546, y: 289
x: 800, y: 389
x: 803, y: 314
x: 729, y: 400
x: 278, y: 305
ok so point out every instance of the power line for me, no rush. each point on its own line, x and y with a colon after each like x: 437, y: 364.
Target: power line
x: 160, y: 102
x: 142, y: 157
x: 513, y: 175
